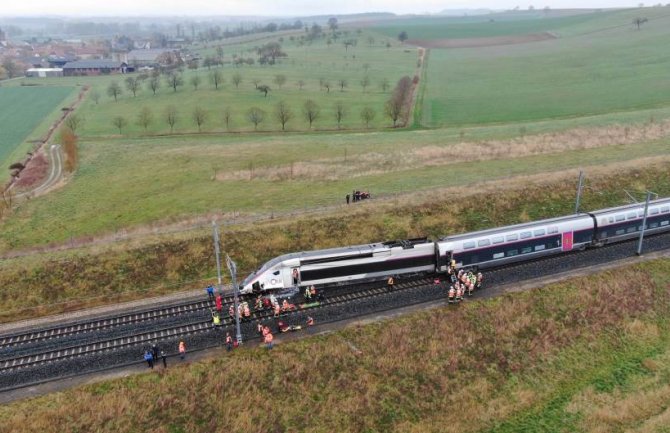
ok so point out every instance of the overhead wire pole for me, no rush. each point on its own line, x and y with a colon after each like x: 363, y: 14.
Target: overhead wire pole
x: 644, y: 223
x: 232, y: 267
x: 215, y: 228
x: 579, y: 191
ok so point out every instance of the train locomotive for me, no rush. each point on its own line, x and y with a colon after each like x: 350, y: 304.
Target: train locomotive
x: 476, y: 250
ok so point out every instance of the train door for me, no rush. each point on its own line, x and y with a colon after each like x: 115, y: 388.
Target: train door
x: 287, y: 276
x: 568, y: 238
x: 441, y: 261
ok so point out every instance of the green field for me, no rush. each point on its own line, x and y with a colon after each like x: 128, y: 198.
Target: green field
x: 581, y: 74
x: 22, y: 109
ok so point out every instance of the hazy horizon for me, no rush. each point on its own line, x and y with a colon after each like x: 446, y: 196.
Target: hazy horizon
x: 277, y: 8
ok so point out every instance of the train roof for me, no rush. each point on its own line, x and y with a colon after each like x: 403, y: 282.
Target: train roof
x: 520, y: 226
x: 637, y: 205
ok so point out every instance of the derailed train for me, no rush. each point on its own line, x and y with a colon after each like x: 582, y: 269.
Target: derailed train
x: 478, y: 250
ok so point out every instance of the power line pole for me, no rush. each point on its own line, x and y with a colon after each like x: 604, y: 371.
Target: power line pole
x: 215, y: 228
x: 644, y: 223
x: 232, y: 267
x: 579, y: 190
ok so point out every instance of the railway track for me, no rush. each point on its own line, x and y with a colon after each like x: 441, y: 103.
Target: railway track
x: 39, y: 361
x: 74, y: 351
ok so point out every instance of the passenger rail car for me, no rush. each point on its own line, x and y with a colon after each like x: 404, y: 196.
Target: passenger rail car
x: 477, y: 250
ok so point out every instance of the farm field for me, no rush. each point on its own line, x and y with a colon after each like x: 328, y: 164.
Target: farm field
x: 22, y: 109
x: 588, y: 71
x: 578, y: 356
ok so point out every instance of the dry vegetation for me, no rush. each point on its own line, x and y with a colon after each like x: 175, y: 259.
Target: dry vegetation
x: 410, y: 158
x: 175, y: 264
x: 35, y: 171
x: 523, y: 362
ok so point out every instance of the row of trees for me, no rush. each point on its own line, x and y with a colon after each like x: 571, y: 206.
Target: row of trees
x: 397, y: 107
x: 174, y: 80
x: 283, y: 113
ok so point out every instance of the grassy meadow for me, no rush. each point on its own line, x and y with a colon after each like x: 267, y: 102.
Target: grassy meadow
x: 578, y: 356
x: 22, y: 109
x: 600, y: 66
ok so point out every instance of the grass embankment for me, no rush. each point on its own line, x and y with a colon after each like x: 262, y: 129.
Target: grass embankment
x: 47, y: 284
x: 532, y: 361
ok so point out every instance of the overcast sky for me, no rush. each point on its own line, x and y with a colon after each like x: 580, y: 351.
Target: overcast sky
x: 274, y: 7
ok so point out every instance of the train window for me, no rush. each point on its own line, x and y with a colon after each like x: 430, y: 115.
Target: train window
x: 539, y: 232
x: 665, y: 223
x: 512, y: 238
x: 611, y: 219
x: 620, y: 217
x: 653, y: 225
x: 275, y: 273
x: 526, y: 250
x: 631, y: 229
x: 512, y: 253
x: 552, y: 230
x: 632, y: 215
x: 468, y: 245
x: 665, y: 209
x: 539, y: 247
x: 498, y: 239
x: 498, y: 255
x: 620, y: 231
x: 525, y: 235
x: 653, y: 211
x: 483, y: 243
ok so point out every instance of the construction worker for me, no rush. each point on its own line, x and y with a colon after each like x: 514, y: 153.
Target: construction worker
x: 219, y: 303
x: 312, y: 291
x: 310, y: 321
x: 216, y: 319
x: 155, y: 351
x: 182, y: 349
x: 390, y: 283
x: 459, y: 292
x: 210, y: 292
x: 258, y: 305
x: 285, y: 306
x: 452, y: 294
x: 229, y: 342
x: 247, y: 312
x: 277, y: 310
x: 480, y: 278
x: 308, y: 294
x: 164, y: 356
x: 231, y: 311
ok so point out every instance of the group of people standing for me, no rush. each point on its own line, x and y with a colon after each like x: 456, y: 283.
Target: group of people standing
x: 155, y: 353
x: 462, y: 283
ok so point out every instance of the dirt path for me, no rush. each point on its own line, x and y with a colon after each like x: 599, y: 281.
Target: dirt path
x: 55, y: 173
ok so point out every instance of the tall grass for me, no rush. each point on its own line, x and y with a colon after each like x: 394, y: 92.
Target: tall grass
x: 522, y: 362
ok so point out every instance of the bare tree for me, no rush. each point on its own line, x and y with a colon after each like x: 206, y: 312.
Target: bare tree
x: 301, y: 84
x: 264, y: 88
x: 227, y: 117
x: 237, y: 79
x: 280, y: 80
x: 171, y: 116
x: 326, y: 84
x: 73, y: 122
x: 154, y: 84
x: 365, y: 82
x: 145, y: 117
x: 256, y: 82
x: 174, y: 80
x: 120, y: 122
x: 133, y: 85
x: 384, y: 84
x: 216, y: 78
x: 114, y: 90
x: 195, y: 81
x: 340, y: 113
x: 283, y: 114
x: 639, y: 21
x: 343, y: 83
x: 311, y: 111
x: 199, y: 117
x: 255, y: 116
x: 367, y: 115
x: 371, y: 40
x: 95, y: 96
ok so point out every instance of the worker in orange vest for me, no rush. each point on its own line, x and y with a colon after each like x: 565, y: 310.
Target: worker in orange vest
x: 182, y: 349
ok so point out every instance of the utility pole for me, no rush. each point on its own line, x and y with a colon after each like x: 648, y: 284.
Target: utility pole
x: 232, y: 267
x: 215, y: 227
x: 644, y: 223
x: 579, y: 190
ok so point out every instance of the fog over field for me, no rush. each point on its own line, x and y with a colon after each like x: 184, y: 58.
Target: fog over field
x: 281, y: 7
